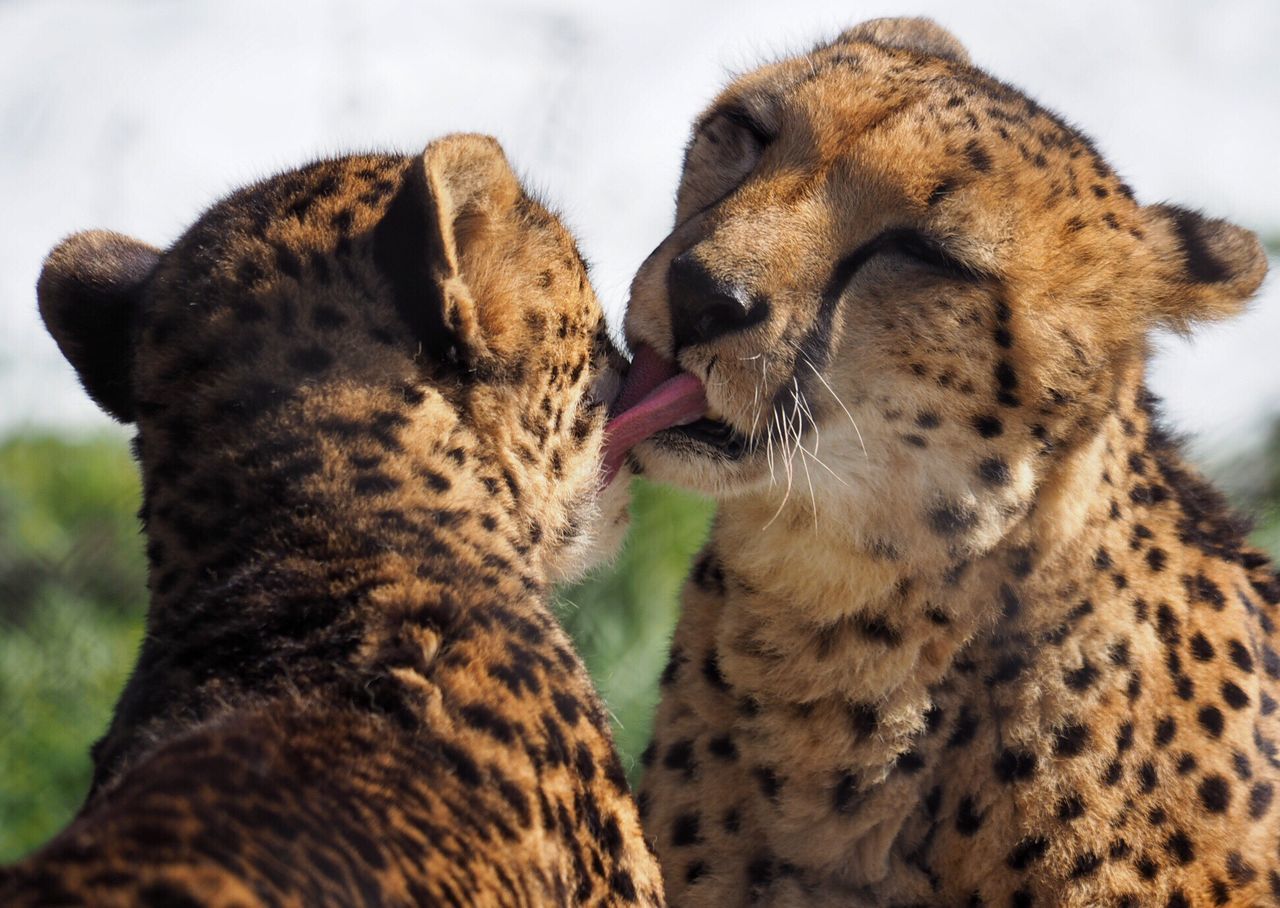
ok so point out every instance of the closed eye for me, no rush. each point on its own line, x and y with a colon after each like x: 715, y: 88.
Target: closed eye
x: 726, y: 148
x: 909, y: 242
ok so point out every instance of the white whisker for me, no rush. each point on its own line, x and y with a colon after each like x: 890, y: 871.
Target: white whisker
x: 852, y: 422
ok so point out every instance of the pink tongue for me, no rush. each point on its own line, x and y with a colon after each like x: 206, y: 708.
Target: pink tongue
x: 655, y: 395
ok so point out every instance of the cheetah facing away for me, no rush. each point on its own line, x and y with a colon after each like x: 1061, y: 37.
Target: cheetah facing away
x: 968, y: 630
x: 370, y: 399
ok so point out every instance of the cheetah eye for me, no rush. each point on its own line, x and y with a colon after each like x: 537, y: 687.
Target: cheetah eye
x: 724, y: 151
x: 910, y: 244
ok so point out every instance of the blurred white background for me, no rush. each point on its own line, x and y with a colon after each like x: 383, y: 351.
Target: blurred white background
x: 136, y: 114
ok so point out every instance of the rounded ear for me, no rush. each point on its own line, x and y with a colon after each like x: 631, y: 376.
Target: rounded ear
x: 1206, y: 268
x: 89, y: 292
x: 921, y: 35
x: 457, y: 183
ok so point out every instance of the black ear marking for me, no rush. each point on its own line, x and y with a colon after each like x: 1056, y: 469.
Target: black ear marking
x: 1195, y: 236
x: 89, y: 292
x: 1208, y: 268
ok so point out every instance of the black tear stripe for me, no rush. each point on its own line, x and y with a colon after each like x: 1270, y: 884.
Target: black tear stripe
x: 814, y: 348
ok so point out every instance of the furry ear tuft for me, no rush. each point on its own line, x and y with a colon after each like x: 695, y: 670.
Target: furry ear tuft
x: 921, y: 35
x: 89, y: 292
x: 1207, y: 268
x: 458, y: 181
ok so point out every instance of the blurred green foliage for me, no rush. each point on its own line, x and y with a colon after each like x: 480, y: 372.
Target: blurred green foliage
x: 72, y: 597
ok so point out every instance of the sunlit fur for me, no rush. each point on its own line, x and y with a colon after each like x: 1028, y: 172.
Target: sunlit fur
x: 933, y: 649
x: 370, y: 399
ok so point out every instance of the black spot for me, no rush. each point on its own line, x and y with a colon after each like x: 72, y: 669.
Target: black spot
x: 1260, y: 799
x: 965, y: 728
x: 1027, y: 851
x: 684, y: 830
x: 968, y: 817
x: 844, y: 793
x: 620, y: 882
x: 1007, y: 669
x: 994, y: 471
x: 1071, y: 740
x: 951, y: 519
x: 876, y: 628
x: 1201, y: 648
x: 1210, y: 718
x: 1240, y: 656
x: 1166, y: 728
x: 1240, y: 870
x: 722, y: 746
x: 1124, y: 737
x: 1070, y: 808
x: 978, y: 157
x: 679, y: 757
x: 768, y: 781
x: 1215, y: 793
x: 1156, y: 559
x: 1086, y: 865
x: 988, y: 426
x: 711, y: 672
x: 1081, y: 678
x: 1015, y: 765
x: 864, y: 718
x: 1234, y: 696
x: 1181, y: 847
x: 760, y: 873
x: 1147, y: 777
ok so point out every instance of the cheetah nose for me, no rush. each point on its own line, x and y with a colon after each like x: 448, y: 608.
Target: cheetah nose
x: 704, y: 307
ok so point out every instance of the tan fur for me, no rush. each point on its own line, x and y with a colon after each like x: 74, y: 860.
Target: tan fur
x: 968, y: 631
x: 370, y: 398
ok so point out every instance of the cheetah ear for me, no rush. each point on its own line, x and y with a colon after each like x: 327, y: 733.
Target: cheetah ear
x: 921, y: 35
x: 89, y: 291
x: 449, y: 193
x: 1206, y: 268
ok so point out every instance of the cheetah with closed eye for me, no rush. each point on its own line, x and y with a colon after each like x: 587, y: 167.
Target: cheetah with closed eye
x: 370, y: 403
x: 968, y: 629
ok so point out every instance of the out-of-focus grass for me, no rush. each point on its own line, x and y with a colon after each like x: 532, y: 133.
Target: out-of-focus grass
x: 72, y: 598
x: 71, y: 603
x: 622, y: 618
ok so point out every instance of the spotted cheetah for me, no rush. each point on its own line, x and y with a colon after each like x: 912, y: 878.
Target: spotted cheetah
x: 370, y: 398
x: 968, y: 629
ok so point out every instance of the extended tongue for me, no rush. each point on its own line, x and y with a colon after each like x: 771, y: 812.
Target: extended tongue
x: 655, y: 396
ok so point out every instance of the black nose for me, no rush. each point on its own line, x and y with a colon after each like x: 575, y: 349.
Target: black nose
x: 703, y: 307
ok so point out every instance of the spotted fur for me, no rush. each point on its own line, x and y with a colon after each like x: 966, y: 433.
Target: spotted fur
x: 968, y: 629
x: 369, y: 404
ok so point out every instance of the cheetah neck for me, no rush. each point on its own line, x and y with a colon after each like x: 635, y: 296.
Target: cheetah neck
x: 855, y: 660
x: 314, y: 552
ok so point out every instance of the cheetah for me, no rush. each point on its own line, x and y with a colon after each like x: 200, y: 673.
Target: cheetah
x: 968, y: 629
x: 370, y: 398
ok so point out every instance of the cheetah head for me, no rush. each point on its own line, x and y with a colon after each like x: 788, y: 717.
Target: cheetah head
x: 908, y: 290
x: 348, y: 331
